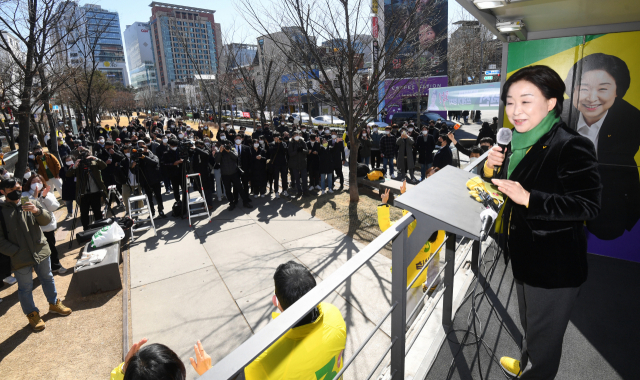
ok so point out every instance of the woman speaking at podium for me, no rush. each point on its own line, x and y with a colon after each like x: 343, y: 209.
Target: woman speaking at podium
x: 551, y: 179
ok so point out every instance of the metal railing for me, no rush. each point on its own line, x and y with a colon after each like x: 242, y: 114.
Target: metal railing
x: 232, y: 366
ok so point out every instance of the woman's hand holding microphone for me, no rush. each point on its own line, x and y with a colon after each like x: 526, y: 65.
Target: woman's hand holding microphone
x: 512, y: 189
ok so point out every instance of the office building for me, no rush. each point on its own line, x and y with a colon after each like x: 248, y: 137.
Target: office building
x: 185, y: 43
x: 140, y: 62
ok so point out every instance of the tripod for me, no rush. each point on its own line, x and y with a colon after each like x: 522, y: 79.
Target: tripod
x: 84, y: 174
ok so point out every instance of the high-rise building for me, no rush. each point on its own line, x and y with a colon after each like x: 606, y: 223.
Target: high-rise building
x: 185, y: 43
x: 140, y: 62
x: 98, y: 39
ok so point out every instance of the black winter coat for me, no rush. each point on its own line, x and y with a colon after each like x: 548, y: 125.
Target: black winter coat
x: 278, y: 154
x: 201, y: 162
x: 546, y: 241
x: 313, y: 160
x: 443, y: 158
x: 68, y: 185
x: 326, y: 160
x: 258, y: 166
x: 425, y: 144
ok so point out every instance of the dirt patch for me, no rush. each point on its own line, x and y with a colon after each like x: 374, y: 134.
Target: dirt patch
x: 84, y: 345
x: 356, y: 220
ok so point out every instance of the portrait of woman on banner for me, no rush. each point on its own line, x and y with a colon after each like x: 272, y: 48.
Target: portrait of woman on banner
x: 599, y: 112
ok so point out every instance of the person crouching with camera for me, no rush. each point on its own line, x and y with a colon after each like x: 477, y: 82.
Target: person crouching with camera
x: 89, y: 186
x: 22, y: 240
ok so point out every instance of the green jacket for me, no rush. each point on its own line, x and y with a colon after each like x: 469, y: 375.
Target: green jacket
x: 95, y: 167
x: 26, y: 244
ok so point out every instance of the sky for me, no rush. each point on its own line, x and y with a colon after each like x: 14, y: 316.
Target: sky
x: 131, y: 11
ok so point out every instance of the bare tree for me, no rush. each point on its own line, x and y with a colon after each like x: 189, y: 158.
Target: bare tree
x: 294, y: 28
x: 122, y: 101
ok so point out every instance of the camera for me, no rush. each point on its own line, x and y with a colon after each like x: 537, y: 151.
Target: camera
x: 184, y: 149
x: 136, y: 155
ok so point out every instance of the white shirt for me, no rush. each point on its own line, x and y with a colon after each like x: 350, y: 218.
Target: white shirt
x: 238, y: 149
x: 591, y: 132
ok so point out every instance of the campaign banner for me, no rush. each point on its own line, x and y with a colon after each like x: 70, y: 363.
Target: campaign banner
x: 602, y: 103
x: 485, y: 96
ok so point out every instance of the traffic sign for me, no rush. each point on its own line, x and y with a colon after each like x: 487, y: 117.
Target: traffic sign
x: 492, y: 72
x: 488, y: 77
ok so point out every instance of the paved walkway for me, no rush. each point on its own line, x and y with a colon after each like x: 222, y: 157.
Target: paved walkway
x: 214, y: 281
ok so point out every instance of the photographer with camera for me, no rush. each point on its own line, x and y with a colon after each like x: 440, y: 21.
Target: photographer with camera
x: 298, y: 164
x: 228, y: 160
x: 201, y: 162
x: 89, y: 186
x: 132, y: 185
x: 149, y: 176
x: 172, y: 164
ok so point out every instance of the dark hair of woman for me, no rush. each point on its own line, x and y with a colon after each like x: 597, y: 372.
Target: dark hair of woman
x: 544, y: 78
x: 611, y: 64
x: 155, y: 362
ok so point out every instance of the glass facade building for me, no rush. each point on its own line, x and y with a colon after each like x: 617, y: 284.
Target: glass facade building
x: 140, y: 61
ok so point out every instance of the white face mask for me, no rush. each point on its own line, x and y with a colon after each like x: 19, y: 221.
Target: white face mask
x: 311, y: 142
x: 304, y: 129
x: 69, y: 163
x: 410, y: 129
x: 223, y: 137
x: 425, y: 132
x: 387, y: 132
x: 6, y: 175
x: 27, y: 175
x: 101, y: 142
x: 174, y: 147
x: 207, y: 144
x: 334, y: 136
x: 128, y: 155
x: 31, y: 156
x: 375, y: 130
x: 164, y: 141
x: 364, y: 135
x: 238, y: 141
x: 296, y: 138
x: 36, y: 186
x: 256, y: 145
x: 180, y: 135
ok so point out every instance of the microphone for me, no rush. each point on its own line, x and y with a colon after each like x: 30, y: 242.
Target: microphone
x: 487, y: 217
x: 503, y: 139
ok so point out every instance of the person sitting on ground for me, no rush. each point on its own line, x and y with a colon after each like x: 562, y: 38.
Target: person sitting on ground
x: 157, y: 361
x: 313, y: 348
x: 428, y: 277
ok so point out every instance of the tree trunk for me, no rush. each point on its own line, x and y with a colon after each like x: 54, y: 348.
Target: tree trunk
x: 46, y: 98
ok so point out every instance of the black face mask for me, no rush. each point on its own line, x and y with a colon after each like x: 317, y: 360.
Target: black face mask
x: 38, y: 153
x: 14, y: 195
x: 484, y: 148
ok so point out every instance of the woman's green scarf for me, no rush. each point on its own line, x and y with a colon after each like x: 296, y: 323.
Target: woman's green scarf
x: 521, y: 142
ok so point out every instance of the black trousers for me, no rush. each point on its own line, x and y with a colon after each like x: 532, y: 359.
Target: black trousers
x: 314, y: 175
x: 91, y: 201
x: 544, y: 315
x: 176, y: 185
x: 245, y: 178
x: 280, y: 172
x: 376, y: 160
x: 338, y: 174
x: 233, y: 188
x: 51, y: 239
x: 151, y: 191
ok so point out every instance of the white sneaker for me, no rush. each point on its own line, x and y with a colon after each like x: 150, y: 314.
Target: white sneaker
x: 284, y: 193
x: 310, y: 188
x: 322, y: 192
x: 255, y: 195
x: 62, y: 270
x: 262, y: 196
x: 330, y: 191
x: 318, y: 187
x: 10, y: 280
x: 277, y: 195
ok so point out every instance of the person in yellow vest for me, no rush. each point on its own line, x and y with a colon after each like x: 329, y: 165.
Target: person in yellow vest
x: 433, y: 243
x: 313, y: 348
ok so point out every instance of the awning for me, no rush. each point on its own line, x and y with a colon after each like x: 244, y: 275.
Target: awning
x: 483, y: 97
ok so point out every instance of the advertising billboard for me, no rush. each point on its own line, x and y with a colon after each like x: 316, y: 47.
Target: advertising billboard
x: 419, y: 50
x: 602, y: 102
x: 401, y: 92
x: 484, y: 97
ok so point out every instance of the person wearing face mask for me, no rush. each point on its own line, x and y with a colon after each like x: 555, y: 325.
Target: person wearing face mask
x: 325, y: 166
x: 257, y: 132
x: 485, y: 131
x: 474, y: 154
x: 22, y: 240
x: 304, y: 135
x: 4, y: 173
x: 376, y: 160
x: 172, y: 165
x: 33, y: 142
x: 48, y: 167
x: 298, y: 164
x: 149, y: 177
x: 201, y: 162
x: 405, y: 155
x: 89, y: 187
x: 39, y: 191
x: 228, y: 160
x: 387, y: 151
x: 258, y: 170
x: 364, y: 153
x: 425, y: 146
x: 444, y: 156
x: 31, y: 161
x: 160, y: 151
x: 313, y: 162
x: 68, y: 184
x: 63, y: 148
x: 337, y: 158
x: 278, y: 161
x: 244, y: 163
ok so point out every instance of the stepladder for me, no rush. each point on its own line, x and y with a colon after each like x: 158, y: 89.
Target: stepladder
x: 140, y: 222
x: 197, y: 204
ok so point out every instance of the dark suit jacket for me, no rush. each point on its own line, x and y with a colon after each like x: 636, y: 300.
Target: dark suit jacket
x: 618, y: 143
x: 546, y: 241
x: 244, y: 158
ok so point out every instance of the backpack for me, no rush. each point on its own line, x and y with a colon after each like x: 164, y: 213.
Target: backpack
x: 176, y: 210
x: 362, y: 170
